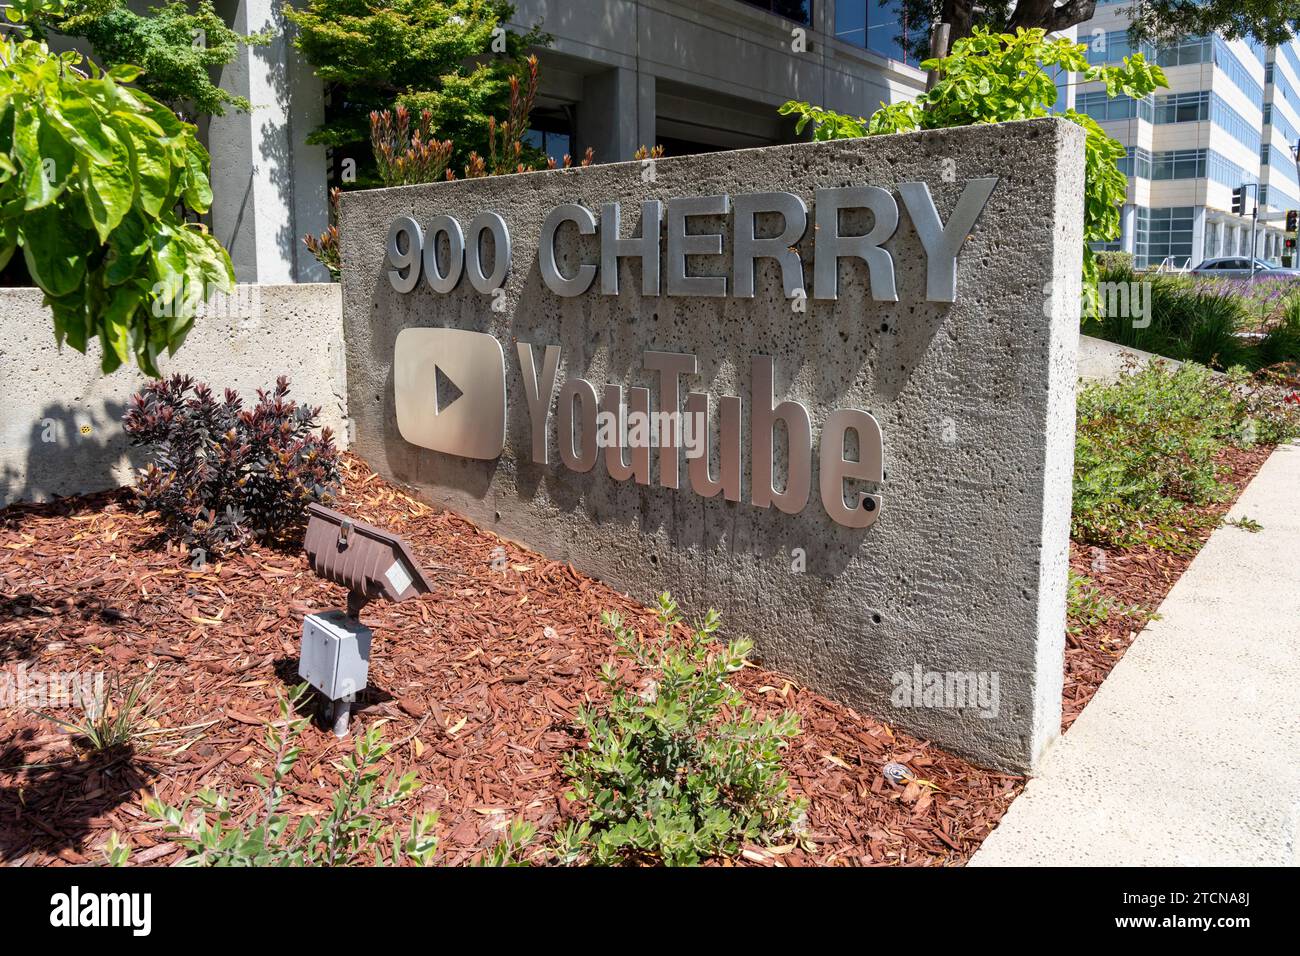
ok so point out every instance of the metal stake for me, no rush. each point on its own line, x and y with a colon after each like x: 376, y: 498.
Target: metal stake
x: 338, y: 714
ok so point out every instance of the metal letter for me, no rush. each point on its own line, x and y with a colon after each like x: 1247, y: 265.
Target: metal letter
x: 638, y: 400
x: 408, y: 259
x: 681, y: 245
x: 438, y: 281
x: 763, y: 415
x: 829, y: 246
x: 781, y: 248
x: 539, y: 395
x: 585, y: 394
x: 835, y: 467
x: 942, y: 243
x: 556, y: 281
x: 670, y: 366
x: 494, y: 224
x: 644, y: 247
x: 729, y: 435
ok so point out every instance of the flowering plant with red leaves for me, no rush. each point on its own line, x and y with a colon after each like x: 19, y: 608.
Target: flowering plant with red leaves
x: 220, y: 475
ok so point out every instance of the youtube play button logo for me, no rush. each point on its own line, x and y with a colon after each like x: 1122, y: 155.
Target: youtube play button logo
x: 450, y: 391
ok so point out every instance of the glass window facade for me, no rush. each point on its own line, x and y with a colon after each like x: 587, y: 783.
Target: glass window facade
x: 1198, y: 164
x: 1136, y: 163
x: 1113, y: 46
x: 1289, y: 54
x: 1280, y: 163
x: 1162, y: 234
x: 1233, y: 123
x: 1102, y: 107
x: 877, y: 25
x: 1277, y: 119
x: 1179, y: 164
x: 800, y: 11
x: 1183, y: 107
x: 1213, y: 49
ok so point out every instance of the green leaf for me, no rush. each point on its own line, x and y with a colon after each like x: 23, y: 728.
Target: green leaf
x: 54, y: 254
x: 109, y: 189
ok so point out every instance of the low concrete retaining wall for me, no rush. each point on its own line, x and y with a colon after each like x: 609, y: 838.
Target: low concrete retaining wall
x: 1103, y: 361
x: 61, y: 432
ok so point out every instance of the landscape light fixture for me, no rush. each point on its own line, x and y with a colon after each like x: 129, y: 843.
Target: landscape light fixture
x: 335, y: 653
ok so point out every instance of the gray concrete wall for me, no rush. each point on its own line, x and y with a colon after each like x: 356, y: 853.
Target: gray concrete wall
x: 49, y: 395
x: 965, y: 569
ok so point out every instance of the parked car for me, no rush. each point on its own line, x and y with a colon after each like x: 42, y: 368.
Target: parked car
x: 1238, y: 267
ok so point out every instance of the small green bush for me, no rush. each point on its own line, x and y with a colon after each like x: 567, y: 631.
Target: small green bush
x: 216, y: 834
x: 1202, y: 320
x: 1114, y: 261
x: 1146, y: 447
x: 674, y: 770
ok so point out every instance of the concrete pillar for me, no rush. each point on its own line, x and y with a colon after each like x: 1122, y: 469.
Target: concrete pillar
x: 1128, y: 226
x: 268, y: 185
x: 645, y: 110
x: 1198, y: 236
x: 616, y: 115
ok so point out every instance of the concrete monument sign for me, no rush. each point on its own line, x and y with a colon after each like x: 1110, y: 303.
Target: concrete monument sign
x: 826, y: 388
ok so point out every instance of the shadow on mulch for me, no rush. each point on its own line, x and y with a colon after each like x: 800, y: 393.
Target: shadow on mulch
x: 61, y: 797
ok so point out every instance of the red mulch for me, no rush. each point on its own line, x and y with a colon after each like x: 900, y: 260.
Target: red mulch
x: 1136, y: 577
x: 479, y: 682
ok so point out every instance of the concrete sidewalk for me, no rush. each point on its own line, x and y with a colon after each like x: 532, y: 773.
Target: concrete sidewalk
x: 1189, y: 754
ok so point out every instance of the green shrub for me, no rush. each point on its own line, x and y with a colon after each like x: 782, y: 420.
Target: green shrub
x: 1114, y: 261
x: 1269, y: 404
x: 674, y: 770
x: 1281, y: 343
x: 216, y: 834
x: 177, y: 70
x: 94, y: 178
x: 1146, y: 447
x: 1187, y: 321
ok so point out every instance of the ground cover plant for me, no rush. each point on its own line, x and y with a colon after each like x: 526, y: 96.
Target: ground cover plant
x: 1147, y: 452
x: 220, y: 475
x: 676, y: 769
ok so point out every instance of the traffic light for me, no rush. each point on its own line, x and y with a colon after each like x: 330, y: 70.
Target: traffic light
x: 1289, y: 242
x: 1239, y: 201
x: 1291, y: 217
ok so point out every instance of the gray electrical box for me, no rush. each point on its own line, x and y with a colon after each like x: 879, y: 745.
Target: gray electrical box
x: 335, y: 655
